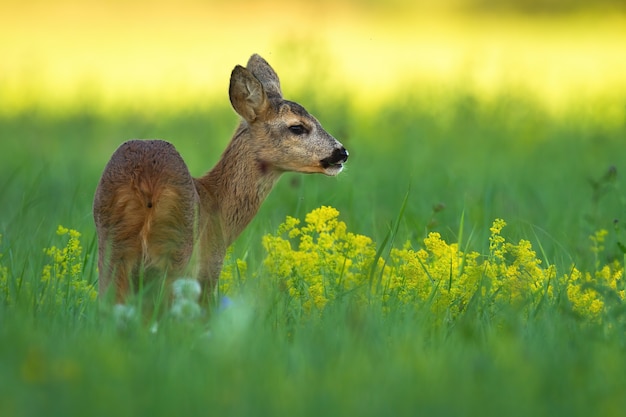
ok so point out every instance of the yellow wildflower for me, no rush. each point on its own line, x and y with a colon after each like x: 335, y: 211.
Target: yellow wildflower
x: 63, y: 278
x: 319, y: 261
x: 323, y: 219
x: 233, y: 274
x: 496, y: 241
x: 62, y: 230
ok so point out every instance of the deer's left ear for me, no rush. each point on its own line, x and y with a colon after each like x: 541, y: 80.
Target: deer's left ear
x: 265, y: 74
x: 247, y: 95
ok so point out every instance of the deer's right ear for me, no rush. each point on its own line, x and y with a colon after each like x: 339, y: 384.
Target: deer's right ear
x: 247, y: 94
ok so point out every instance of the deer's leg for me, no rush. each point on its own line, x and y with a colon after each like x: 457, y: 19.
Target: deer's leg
x: 122, y: 283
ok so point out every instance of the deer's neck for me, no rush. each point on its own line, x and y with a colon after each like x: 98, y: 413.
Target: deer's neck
x: 238, y: 184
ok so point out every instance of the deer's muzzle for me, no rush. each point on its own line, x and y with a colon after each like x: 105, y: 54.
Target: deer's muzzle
x: 338, y: 157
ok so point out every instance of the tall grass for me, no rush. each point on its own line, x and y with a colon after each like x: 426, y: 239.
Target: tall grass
x: 461, y: 164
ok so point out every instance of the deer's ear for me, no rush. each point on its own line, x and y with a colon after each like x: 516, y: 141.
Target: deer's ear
x: 247, y: 95
x: 266, y: 74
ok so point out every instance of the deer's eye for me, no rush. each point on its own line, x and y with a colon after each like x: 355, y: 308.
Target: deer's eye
x: 297, y: 129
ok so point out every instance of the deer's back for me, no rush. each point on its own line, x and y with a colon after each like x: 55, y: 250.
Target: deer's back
x: 145, y: 205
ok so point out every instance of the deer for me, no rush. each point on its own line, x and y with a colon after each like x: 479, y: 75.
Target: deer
x: 151, y: 215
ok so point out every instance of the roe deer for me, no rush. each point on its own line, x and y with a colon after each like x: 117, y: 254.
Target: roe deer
x: 151, y: 214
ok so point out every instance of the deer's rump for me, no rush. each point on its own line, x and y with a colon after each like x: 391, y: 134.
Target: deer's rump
x: 145, y: 207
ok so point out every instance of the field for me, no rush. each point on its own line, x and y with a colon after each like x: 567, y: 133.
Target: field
x: 469, y: 260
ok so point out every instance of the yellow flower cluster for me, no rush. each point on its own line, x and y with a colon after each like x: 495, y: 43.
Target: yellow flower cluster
x: 63, y: 278
x: 586, y: 291
x: 321, y: 261
x: 439, y: 275
x: 233, y: 274
x: 513, y: 272
x: 447, y: 279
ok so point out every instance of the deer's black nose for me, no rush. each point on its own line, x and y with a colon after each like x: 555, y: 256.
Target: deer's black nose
x: 341, y: 154
x: 338, y: 157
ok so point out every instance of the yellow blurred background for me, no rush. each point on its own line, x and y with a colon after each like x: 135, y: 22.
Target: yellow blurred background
x: 162, y: 53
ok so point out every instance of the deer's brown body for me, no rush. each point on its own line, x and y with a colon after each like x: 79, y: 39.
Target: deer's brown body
x: 151, y: 215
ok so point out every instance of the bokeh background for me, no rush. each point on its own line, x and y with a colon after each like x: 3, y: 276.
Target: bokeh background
x: 155, y: 54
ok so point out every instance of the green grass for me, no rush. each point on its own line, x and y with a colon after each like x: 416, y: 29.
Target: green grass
x: 555, y: 180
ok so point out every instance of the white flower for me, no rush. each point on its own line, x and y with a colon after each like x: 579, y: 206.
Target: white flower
x: 186, y: 289
x: 183, y: 309
x: 124, y: 315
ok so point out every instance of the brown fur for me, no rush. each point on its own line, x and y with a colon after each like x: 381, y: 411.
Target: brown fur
x: 151, y: 215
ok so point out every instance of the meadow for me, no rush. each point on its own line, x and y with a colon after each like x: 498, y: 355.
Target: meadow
x: 468, y: 261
